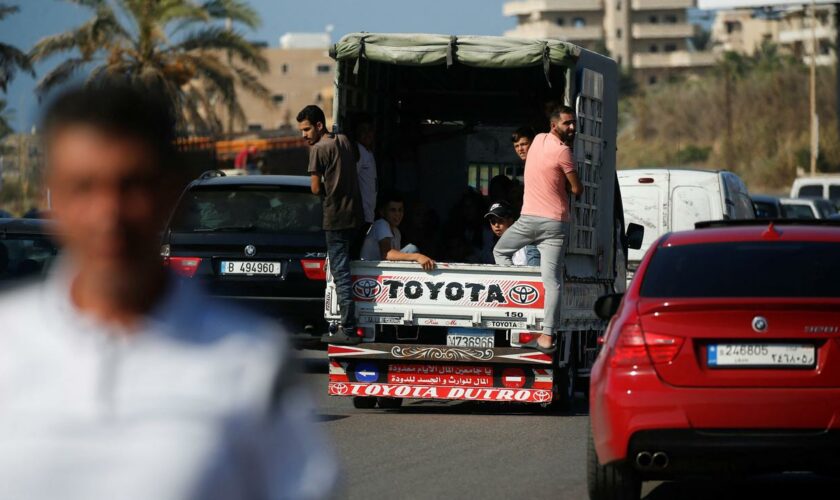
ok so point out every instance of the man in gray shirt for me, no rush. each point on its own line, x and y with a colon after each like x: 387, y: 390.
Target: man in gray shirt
x: 116, y: 379
x: 332, y: 169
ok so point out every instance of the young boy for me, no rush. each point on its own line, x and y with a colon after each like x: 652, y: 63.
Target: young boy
x: 384, y: 240
x: 501, y: 216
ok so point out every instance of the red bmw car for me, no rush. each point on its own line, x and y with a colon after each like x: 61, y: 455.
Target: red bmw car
x: 723, y: 357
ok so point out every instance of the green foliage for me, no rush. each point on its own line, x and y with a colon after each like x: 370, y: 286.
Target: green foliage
x: 693, y: 154
x: 12, y: 59
x: 177, y: 46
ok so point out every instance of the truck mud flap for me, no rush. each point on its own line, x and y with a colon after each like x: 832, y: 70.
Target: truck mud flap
x: 436, y: 372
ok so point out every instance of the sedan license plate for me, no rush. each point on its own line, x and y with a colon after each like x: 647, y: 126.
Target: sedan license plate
x: 761, y: 355
x: 251, y: 268
x: 470, y: 337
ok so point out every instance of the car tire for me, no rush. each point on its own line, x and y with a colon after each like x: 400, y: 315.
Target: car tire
x: 389, y: 403
x: 364, y: 403
x: 615, y: 481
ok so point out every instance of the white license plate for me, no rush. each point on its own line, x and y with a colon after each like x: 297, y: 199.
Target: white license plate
x: 251, y: 268
x: 470, y: 337
x: 763, y: 355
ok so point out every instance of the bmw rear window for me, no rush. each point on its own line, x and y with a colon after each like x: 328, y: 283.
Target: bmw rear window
x: 744, y: 269
x: 246, y: 208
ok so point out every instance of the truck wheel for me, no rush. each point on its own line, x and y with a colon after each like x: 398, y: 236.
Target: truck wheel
x: 363, y: 403
x: 616, y: 481
x: 389, y: 403
x: 565, y: 386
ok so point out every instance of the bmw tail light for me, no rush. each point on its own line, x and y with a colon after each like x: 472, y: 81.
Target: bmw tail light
x: 663, y: 348
x: 314, y: 269
x: 184, y: 266
x: 629, y: 349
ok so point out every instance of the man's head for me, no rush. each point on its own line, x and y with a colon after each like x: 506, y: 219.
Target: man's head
x: 522, y: 138
x: 365, y: 130
x: 563, y: 123
x: 312, y: 123
x: 392, y: 208
x: 501, y: 217
x: 110, y: 157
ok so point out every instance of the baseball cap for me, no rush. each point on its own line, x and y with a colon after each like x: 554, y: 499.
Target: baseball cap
x: 500, y: 209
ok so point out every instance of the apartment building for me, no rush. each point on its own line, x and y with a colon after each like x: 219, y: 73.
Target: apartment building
x: 649, y: 37
x: 742, y: 31
x: 300, y: 73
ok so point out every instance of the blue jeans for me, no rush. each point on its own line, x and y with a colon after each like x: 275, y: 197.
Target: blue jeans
x: 339, y: 245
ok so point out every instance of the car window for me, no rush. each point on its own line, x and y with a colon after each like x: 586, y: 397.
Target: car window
x: 799, y: 211
x: 25, y: 255
x: 285, y: 209
x: 834, y: 193
x: 744, y: 269
x: 825, y: 208
x: 815, y: 191
x: 765, y: 210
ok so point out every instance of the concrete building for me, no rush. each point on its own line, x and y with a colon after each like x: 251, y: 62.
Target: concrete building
x: 296, y: 77
x: 648, y: 37
x: 743, y: 32
x: 795, y: 34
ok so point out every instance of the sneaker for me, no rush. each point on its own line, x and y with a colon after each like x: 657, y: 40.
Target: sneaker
x: 346, y: 337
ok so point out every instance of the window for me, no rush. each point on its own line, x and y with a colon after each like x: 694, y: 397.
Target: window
x: 561, y: 21
x: 813, y: 191
x: 834, y: 193
x: 254, y: 127
x: 579, y: 22
x: 323, y: 69
x: 25, y: 255
x: 653, y: 19
x: 652, y: 80
x: 618, y: 59
x: 284, y: 68
x: 618, y: 33
x: 671, y: 19
x: 618, y: 5
x: 798, y: 211
x: 479, y: 175
x: 653, y: 48
x: 278, y: 98
x: 811, y: 269
x: 766, y: 210
x: 670, y: 47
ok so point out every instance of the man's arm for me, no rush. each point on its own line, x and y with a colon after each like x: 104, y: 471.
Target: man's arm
x: 389, y: 253
x: 574, y: 183
x: 315, y: 183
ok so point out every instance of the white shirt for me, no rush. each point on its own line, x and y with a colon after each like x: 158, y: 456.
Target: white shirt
x: 380, y: 230
x: 180, y: 409
x: 366, y: 170
x: 520, y: 258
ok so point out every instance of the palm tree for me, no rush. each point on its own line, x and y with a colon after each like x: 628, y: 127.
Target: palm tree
x: 5, y: 117
x: 177, y: 46
x: 11, y: 58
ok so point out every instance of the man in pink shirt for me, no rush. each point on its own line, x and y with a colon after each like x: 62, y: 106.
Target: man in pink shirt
x: 549, y: 175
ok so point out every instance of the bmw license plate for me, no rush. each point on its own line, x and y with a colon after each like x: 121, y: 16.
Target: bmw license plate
x: 761, y: 355
x: 250, y: 268
x: 470, y: 337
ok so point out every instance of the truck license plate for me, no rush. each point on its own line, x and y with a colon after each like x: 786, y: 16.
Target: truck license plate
x: 761, y: 355
x: 470, y: 337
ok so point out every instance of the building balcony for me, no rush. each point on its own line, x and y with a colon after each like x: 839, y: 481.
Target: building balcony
x: 661, y: 4
x: 677, y: 59
x: 545, y: 29
x: 527, y: 7
x: 663, y: 30
x: 804, y: 34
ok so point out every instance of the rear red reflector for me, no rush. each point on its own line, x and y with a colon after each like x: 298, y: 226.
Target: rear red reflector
x: 525, y: 337
x: 645, y: 180
x: 314, y: 269
x: 184, y: 266
x: 513, y: 378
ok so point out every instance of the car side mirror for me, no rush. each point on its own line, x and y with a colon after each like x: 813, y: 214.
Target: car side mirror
x: 607, y: 305
x: 635, y: 235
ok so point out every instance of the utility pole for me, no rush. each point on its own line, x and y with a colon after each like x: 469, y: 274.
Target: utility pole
x: 815, y: 124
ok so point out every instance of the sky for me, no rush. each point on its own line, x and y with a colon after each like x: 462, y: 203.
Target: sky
x: 39, y: 18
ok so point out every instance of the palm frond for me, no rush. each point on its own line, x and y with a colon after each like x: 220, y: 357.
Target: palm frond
x: 12, y: 59
x: 5, y: 10
x: 179, y: 10
x: 251, y: 82
x: 235, y: 10
x: 59, y: 74
x: 217, y: 38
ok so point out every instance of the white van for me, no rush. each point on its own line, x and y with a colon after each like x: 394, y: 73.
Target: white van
x: 673, y: 199
x: 819, y: 186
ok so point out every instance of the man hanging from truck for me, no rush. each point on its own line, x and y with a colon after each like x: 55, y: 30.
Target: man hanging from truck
x: 332, y: 167
x: 549, y: 167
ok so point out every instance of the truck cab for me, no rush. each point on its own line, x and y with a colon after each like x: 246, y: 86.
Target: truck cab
x: 445, y: 107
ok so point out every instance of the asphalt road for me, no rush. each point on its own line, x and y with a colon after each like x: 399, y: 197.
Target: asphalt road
x: 465, y: 450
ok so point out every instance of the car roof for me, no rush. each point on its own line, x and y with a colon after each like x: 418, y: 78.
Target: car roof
x: 817, y: 179
x: 24, y: 226
x: 254, y: 180
x: 679, y: 170
x: 760, y: 231
x: 764, y: 198
x: 797, y: 201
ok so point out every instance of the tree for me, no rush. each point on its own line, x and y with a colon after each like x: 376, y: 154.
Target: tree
x: 178, y: 47
x: 12, y: 59
x: 5, y: 118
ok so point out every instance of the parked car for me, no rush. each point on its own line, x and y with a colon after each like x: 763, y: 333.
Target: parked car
x: 729, y: 366
x: 820, y: 186
x: 808, y: 208
x: 767, y: 207
x: 257, y: 241
x: 674, y: 199
x: 26, y: 249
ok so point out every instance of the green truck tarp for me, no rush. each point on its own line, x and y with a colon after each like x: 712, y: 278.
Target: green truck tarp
x: 477, y: 51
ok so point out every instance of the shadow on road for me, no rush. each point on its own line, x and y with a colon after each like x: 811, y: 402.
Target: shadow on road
x: 787, y: 486
x: 432, y: 406
x: 330, y: 418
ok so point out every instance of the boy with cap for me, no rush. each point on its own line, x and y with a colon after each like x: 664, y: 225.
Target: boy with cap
x: 501, y: 216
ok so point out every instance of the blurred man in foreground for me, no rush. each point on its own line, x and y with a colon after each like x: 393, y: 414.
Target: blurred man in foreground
x: 116, y: 381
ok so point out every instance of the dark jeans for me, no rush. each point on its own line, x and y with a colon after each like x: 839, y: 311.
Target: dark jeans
x: 339, y: 248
